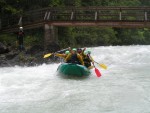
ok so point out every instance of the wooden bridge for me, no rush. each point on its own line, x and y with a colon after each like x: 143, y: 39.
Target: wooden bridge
x: 121, y: 17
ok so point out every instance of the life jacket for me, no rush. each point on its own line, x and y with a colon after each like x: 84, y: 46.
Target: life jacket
x: 87, y: 61
x: 20, y: 33
x: 74, y: 59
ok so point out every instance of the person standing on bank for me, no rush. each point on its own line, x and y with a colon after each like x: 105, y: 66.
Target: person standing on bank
x: 20, y: 38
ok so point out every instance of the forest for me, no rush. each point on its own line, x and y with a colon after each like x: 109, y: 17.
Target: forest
x: 77, y: 36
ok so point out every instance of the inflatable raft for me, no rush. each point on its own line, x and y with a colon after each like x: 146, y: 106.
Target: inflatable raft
x: 70, y: 69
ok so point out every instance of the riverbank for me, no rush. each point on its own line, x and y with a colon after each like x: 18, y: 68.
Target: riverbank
x: 10, y: 56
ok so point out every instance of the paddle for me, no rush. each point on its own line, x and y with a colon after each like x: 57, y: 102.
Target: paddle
x: 101, y: 65
x: 49, y: 54
x: 97, y: 71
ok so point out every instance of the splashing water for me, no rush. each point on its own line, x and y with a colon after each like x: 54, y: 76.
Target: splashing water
x: 123, y: 88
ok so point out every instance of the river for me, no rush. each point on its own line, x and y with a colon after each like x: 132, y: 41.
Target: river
x: 123, y: 88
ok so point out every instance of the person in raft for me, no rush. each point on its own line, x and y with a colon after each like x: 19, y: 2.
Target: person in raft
x: 81, y: 51
x: 64, y: 55
x: 87, y: 58
x: 74, y: 57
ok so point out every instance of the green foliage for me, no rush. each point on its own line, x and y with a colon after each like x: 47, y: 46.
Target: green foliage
x: 124, y: 2
x: 33, y: 37
x: 146, y: 34
x: 145, y: 2
x: 78, y: 36
x: 22, y: 57
x: 6, y: 38
x: 131, y: 36
x: 55, y: 3
x: 30, y: 40
x: 86, y: 36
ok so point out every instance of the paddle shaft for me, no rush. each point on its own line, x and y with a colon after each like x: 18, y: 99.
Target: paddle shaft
x: 49, y: 54
x: 62, y: 50
x: 96, y: 62
x: 101, y: 65
x: 93, y: 60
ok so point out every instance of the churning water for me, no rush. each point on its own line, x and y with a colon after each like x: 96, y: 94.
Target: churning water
x: 123, y: 88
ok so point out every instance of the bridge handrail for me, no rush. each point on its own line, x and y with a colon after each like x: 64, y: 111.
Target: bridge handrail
x: 88, y: 8
x: 92, y: 13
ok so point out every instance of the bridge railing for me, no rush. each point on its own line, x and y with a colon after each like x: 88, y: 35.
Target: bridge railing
x: 82, y: 14
x: 100, y: 14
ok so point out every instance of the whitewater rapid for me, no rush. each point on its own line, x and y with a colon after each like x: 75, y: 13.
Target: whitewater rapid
x: 123, y: 88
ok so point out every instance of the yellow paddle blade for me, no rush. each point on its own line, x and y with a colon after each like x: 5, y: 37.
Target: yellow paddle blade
x: 47, y: 55
x: 103, y: 66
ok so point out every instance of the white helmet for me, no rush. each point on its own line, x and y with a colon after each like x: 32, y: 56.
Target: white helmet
x: 21, y: 28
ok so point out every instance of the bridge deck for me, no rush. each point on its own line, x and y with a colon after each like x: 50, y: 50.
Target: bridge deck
x: 123, y: 17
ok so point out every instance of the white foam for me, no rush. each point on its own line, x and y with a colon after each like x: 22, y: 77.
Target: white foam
x: 123, y: 88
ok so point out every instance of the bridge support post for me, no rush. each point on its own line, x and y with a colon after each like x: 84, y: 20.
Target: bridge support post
x: 72, y: 15
x: 120, y: 15
x: 145, y: 16
x: 50, y: 39
x: 96, y: 15
x: 0, y: 24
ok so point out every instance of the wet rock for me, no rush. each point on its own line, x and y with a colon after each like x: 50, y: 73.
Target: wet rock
x: 4, y: 63
x: 2, y: 57
x: 30, y: 57
x: 3, y: 48
x: 11, y: 55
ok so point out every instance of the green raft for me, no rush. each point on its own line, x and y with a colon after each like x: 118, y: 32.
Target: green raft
x: 70, y: 69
